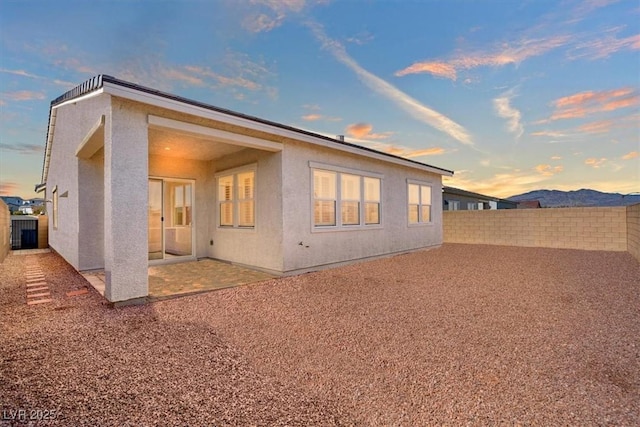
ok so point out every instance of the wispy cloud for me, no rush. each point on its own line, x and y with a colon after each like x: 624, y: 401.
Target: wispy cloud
x: 22, y: 148
x: 23, y: 95
x: 631, y: 155
x: 406, y: 152
x: 410, y: 105
x: 584, y: 103
x: 363, y: 131
x: 504, y: 109
x: 605, y: 45
x: 503, y: 55
x: 556, y: 157
x: 548, y: 170
x: 314, y: 117
x: 271, y: 14
x: 594, y: 162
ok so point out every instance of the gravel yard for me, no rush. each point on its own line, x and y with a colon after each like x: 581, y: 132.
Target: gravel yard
x: 463, y: 334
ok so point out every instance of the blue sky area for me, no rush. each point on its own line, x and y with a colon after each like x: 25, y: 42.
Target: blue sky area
x: 511, y: 95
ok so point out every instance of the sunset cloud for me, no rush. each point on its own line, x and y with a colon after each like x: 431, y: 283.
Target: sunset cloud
x: 630, y: 155
x: 605, y: 46
x: 584, y: 103
x: 23, y: 95
x: 503, y: 55
x: 595, y: 163
x: 406, y: 152
x: 313, y: 117
x: 548, y: 170
x: 410, y: 105
x: 363, y: 131
x: 503, y: 108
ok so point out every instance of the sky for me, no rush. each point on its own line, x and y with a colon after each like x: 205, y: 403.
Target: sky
x: 512, y: 96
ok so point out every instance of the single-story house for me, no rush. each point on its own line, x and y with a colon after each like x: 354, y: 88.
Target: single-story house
x: 456, y: 199
x: 134, y: 176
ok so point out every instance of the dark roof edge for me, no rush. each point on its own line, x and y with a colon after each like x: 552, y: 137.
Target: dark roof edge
x: 98, y: 81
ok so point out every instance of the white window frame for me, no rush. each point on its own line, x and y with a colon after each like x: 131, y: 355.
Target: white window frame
x: 420, y: 203
x: 54, y: 207
x: 235, y: 200
x: 339, y: 171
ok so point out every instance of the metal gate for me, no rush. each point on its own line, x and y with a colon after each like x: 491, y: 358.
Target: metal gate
x: 24, y: 233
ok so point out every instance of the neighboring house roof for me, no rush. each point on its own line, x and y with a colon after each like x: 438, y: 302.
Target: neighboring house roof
x: 120, y: 88
x: 529, y: 204
x: 459, y: 192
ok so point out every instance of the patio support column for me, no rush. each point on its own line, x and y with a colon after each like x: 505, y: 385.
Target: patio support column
x: 125, y: 203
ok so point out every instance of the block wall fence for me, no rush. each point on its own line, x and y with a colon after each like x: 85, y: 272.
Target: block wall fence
x: 5, y: 227
x: 597, y: 228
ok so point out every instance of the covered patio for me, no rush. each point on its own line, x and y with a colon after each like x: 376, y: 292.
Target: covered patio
x: 188, y: 278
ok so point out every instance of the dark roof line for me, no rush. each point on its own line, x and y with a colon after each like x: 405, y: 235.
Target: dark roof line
x: 460, y: 192
x: 98, y: 81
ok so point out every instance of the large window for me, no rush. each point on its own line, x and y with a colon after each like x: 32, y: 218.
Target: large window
x: 236, y: 198
x: 344, y: 198
x: 419, y: 196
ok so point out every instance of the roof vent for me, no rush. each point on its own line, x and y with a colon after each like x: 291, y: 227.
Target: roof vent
x: 340, y: 138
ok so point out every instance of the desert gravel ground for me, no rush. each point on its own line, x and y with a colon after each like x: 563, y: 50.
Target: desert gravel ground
x: 460, y: 335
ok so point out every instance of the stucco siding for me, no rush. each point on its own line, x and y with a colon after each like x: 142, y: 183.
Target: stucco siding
x: 73, y: 122
x: 5, y: 227
x: 260, y: 247
x: 326, y: 247
x: 91, y: 212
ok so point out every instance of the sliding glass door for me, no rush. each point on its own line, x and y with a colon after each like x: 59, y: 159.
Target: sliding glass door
x: 170, y: 218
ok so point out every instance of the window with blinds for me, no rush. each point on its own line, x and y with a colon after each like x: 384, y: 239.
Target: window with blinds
x: 343, y: 199
x: 419, y: 203
x: 236, y: 199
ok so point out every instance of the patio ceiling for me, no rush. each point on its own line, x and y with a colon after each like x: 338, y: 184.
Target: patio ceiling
x: 174, y: 144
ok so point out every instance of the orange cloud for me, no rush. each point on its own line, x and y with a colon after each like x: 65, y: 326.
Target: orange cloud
x: 312, y: 117
x: 548, y: 170
x: 606, y: 46
x: 630, y: 155
x: 600, y: 126
x: 584, y: 103
x: 556, y: 158
x: 363, y: 131
x: 504, y: 55
x: 595, y: 163
x: 438, y: 69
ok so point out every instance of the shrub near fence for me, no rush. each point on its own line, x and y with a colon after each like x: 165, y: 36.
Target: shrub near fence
x: 597, y: 228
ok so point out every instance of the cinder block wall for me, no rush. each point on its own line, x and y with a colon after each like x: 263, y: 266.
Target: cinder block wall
x: 5, y: 227
x: 570, y: 228
x: 43, y: 232
x: 633, y: 230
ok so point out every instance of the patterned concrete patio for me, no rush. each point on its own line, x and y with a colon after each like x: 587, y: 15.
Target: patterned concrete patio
x: 198, y: 276
x: 170, y: 280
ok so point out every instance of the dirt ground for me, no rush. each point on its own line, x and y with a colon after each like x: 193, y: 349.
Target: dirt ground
x: 463, y: 334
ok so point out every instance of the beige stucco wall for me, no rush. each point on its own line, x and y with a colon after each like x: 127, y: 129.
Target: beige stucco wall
x: 261, y: 246
x: 633, y: 230
x: 73, y: 123
x: 5, y: 227
x: 600, y: 228
x: 322, y: 248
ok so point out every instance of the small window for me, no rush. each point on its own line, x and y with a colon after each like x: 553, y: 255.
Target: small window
x: 419, y: 206
x: 236, y: 199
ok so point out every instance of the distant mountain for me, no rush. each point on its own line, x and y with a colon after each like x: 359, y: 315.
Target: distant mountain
x: 584, y: 197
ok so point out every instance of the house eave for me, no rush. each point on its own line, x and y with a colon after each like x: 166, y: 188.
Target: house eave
x: 130, y: 91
